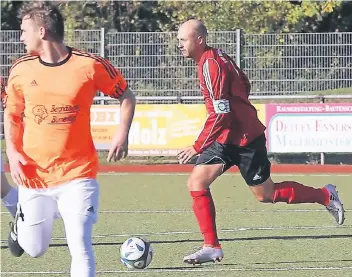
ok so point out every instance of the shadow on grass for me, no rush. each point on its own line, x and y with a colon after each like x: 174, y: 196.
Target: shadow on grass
x: 222, y: 240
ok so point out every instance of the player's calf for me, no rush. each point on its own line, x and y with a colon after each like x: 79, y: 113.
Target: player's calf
x: 294, y: 193
x: 264, y: 192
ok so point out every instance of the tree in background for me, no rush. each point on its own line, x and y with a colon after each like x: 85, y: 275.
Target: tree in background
x: 338, y: 20
x: 121, y: 16
x: 252, y: 16
x: 9, y: 11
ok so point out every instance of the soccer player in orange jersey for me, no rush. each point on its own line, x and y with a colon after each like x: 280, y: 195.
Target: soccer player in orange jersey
x: 48, y: 139
x: 9, y: 194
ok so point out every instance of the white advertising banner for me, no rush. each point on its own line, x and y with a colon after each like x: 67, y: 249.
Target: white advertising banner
x: 297, y: 128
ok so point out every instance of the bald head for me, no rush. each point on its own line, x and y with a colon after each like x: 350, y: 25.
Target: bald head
x: 192, y: 38
x: 195, y: 26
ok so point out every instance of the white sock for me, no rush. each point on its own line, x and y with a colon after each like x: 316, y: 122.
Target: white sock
x: 10, y: 201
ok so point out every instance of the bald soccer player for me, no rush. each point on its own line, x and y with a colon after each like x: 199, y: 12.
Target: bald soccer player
x: 48, y: 140
x: 232, y: 136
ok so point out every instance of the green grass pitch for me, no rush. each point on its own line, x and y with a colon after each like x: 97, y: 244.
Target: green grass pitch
x: 259, y: 240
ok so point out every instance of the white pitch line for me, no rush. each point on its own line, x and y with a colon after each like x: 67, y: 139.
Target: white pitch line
x: 235, y: 211
x: 135, y: 212
x: 227, y: 173
x: 189, y: 211
x: 186, y: 270
x: 239, y: 229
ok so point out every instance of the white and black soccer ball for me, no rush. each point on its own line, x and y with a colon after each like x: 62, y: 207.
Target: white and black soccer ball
x: 136, y: 253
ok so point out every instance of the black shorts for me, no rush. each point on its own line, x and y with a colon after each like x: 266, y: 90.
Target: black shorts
x: 252, y: 159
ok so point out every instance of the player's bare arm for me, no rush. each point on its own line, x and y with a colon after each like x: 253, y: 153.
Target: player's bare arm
x: 13, y: 128
x: 119, y: 145
x: 13, y: 132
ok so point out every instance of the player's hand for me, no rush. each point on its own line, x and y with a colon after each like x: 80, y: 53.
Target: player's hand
x: 17, y: 161
x: 186, y: 155
x: 118, y: 149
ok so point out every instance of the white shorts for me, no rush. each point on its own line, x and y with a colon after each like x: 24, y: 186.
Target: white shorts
x: 78, y: 197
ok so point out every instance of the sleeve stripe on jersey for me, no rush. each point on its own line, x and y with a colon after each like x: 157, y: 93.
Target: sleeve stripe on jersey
x: 20, y: 59
x: 207, y: 78
x: 89, y: 55
x: 23, y: 59
x: 206, y: 74
x: 109, y: 68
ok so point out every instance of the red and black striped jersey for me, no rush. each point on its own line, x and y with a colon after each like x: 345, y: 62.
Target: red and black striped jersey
x: 232, y: 119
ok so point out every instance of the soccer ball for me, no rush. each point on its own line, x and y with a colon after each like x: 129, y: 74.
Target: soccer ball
x: 136, y: 253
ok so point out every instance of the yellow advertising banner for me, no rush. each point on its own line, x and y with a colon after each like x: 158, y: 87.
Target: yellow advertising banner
x: 156, y: 129
x: 261, y: 110
x: 159, y: 129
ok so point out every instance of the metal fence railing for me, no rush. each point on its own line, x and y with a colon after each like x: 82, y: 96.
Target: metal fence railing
x: 277, y: 64
x: 297, y: 63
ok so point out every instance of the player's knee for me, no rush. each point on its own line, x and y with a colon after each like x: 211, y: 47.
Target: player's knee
x: 34, y: 244
x: 36, y: 250
x: 81, y: 247
x: 264, y: 198
x: 79, y: 238
x: 81, y: 251
x: 264, y: 192
x: 190, y: 183
x: 194, y: 184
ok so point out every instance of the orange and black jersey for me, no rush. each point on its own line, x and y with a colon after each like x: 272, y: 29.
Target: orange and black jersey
x: 56, y: 101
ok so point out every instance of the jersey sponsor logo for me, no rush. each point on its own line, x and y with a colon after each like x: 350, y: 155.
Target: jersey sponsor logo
x: 40, y: 113
x: 64, y: 114
x: 63, y: 119
x: 61, y: 114
x: 64, y: 109
x: 221, y: 106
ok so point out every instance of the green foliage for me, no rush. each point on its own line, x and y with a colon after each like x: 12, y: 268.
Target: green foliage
x: 9, y: 15
x: 121, y: 16
x: 251, y: 16
x: 338, y: 20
